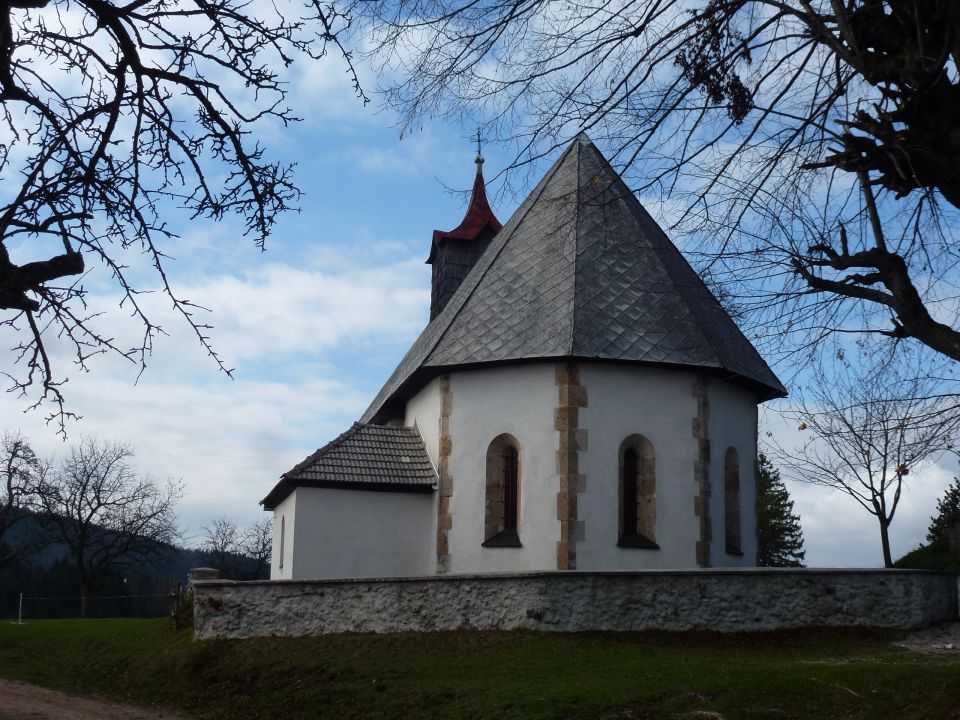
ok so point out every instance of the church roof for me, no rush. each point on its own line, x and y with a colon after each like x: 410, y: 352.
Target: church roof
x: 479, y: 216
x: 581, y: 270
x: 365, y: 457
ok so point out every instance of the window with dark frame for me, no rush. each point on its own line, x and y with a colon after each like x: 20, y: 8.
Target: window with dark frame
x: 731, y: 502
x: 510, y: 487
x: 629, y: 504
x: 637, y: 494
x: 502, y: 514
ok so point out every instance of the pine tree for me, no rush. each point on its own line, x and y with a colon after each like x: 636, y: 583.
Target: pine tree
x: 779, y: 535
x: 948, y: 507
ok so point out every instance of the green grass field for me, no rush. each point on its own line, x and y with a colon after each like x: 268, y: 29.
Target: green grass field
x: 798, y: 674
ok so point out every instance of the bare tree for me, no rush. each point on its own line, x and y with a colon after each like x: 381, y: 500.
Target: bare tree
x: 258, y: 545
x: 238, y: 554
x: 109, y: 517
x: 222, y: 545
x: 20, y: 472
x: 867, y: 428
x: 114, y: 116
x: 812, y: 144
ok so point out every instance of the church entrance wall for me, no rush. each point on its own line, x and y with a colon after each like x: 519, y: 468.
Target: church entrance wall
x: 361, y: 533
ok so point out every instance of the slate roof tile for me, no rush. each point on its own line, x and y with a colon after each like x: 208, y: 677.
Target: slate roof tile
x: 581, y: 270
x: 374, y: 457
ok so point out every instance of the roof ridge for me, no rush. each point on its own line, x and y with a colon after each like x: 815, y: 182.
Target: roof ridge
x: 471, y: 282
x: 699, y: 285
x: 680, y: 290
x: 490, y: 257
x: 581, y: 139
x: 622, y: 193
x: 342, y: 438
x: 578, y: 142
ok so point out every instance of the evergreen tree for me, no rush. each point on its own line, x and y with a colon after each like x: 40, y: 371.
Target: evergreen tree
x: 779, y: 535
x: 948, y: 507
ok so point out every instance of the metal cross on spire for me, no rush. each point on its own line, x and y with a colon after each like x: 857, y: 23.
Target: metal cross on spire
x: 479, y: 159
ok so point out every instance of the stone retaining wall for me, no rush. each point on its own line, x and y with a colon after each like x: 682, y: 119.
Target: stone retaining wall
x: 724, y: 600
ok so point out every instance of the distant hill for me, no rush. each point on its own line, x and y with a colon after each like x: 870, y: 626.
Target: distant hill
x: 935, y: 556
x: 48, y: 582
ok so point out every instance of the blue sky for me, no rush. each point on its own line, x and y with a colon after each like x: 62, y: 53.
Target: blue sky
x: 314, y: 325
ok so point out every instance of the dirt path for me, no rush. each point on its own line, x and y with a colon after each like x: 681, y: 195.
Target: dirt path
x: 941, y: 638
x: 20, y: 701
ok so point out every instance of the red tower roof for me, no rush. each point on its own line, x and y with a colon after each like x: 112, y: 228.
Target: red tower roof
x: 479, y: 216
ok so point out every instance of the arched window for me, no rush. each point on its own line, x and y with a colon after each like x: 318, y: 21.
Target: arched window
x: 283, y: 537
x: 731, y: 501
x: 638, y: 494
x: 502, y: 523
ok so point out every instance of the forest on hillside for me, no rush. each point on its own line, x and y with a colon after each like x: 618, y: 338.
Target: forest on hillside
x: 47, y: 579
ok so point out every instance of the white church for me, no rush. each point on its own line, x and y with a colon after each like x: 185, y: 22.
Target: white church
x: 578, y: 401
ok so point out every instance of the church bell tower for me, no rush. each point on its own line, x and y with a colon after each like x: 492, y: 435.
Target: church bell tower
x: 453, y: 253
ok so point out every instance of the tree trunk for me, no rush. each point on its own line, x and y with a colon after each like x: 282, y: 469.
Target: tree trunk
x: 885, y: 540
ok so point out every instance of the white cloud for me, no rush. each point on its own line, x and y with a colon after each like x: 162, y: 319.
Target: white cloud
x: 405, y: 157
x: 295, y: 333
x: 322, y: 90
x: 228, y: 441
x: 275, y: 309
x: 278, y: 309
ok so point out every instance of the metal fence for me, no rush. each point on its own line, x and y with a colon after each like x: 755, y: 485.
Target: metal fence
x: 162, y: 604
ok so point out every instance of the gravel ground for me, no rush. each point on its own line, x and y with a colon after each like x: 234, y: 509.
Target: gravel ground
x: 20, y: 701
x: 942, y: 638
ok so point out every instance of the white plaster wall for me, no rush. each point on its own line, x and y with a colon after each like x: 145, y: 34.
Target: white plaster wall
x: 658, y: 404
x: 519, y: 400
x: 733, y: 423
x: 361, y: 533
x: 423, y: 412
x: 286, y: 509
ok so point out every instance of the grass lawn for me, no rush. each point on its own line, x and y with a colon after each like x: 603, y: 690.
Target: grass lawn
x: 797, y: 674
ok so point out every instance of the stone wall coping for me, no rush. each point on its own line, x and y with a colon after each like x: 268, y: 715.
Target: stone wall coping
x: 701, y: 572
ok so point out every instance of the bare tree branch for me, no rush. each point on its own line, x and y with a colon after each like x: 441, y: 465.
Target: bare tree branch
x: 112, y: 118
x: 776, y: 125
x: 107, y: 515
x: 868, y: 425
x: 21, y: 472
